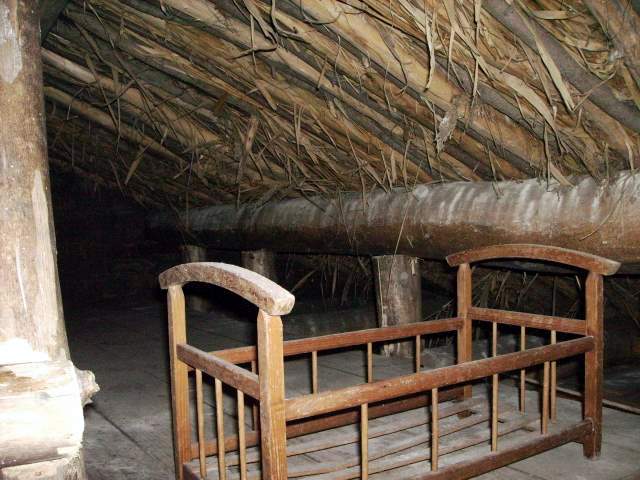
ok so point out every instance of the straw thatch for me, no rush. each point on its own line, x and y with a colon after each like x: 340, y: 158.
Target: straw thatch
x: 191, y: 102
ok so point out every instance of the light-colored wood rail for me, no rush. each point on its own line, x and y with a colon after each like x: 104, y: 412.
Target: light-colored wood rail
x: 435, y: 429
x: 364, y: 441
x: 494, y: 390
x: 222, y: 468
x: 242, y: 441
x: 530, y: 320
x: 523, y: 372
x: 310, y: 405
x: 200, y: 419
x: 229, y: 373
x: 346, y: 339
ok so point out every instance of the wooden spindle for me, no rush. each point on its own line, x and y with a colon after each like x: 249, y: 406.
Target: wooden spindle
x: 200, y: 418
x: 369, y: 362
x: 545, y: 398
x: 418, y: 352
x: 464, y: 336
x: 494, y: 391
x: 242, y: 444
x: 435, y: 430
x: 523, y: 372
x: 314, y: 372
x: 553, y: 405
x: 594, y: 302
x: 222, y: 469
x: 364, y: 441
x: 254, y: 405
x: 179, y: 379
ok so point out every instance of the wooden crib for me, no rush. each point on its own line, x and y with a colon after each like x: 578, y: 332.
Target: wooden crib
x: 382, y: 427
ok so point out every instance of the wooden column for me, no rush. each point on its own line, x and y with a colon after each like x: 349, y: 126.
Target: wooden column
x: 32, y: 331
x: 464, y: 344
x: 594, y: 298
x: 262, y: 262
x: 273, y: 429
x: 195, y: 300
x: 398, y: 296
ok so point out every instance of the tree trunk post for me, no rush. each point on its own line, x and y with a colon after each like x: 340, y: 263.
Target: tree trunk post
x: 262, y: 262
x: 196, y: 302
x: 398, y: 296
x: 32, y: 331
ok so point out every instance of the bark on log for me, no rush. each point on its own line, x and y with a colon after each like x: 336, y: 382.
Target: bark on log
x: 398, y: 297
x: 433, y: 221
x: 196, y: 300
x: 31, y: 321
x: 40, y: 412
x: 262, y: 262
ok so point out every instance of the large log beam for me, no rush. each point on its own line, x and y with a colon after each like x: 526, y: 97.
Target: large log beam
x: 432, y: 221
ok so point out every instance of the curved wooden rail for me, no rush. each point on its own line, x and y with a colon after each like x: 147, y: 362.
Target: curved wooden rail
x: 260, y: 291
x: 564, y: 256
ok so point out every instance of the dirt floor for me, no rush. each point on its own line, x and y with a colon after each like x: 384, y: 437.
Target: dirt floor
x: 128, y: 427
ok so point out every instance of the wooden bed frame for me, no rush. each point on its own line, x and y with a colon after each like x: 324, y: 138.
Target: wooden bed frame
x: 282, y: 419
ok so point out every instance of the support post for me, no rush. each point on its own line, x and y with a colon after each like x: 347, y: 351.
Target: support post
x: 273, y: 428
x: 179, y: 379
x: 32, y: 330
x: 398, y: 296
x: 195, y: 301
x: 262, y: 262
x: 594, y: 298
x: 464, y: 346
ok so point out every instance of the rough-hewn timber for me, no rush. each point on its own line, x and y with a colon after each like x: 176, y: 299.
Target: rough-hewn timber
x: 433, y: 221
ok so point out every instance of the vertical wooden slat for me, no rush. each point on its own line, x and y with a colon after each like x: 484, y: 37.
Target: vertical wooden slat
x: 179, y: 379
x: 242, y: 444
x: 553, y: 397
x: 222, y: 467
x: 593, y: 363
x: 272, y: 408
x: 314, y: 372
x: 369, y: 362
x: 464, y: 334
x: 418, y: 352
x: 435, y: 430
x: 494, y: 391
x: 254, y: 403
x: 364, y: 441
x: 523, y: 372
x: 545, y: 398
x: 200, y: 419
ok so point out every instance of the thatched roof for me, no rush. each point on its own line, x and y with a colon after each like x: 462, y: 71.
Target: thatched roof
x: 189, y: 102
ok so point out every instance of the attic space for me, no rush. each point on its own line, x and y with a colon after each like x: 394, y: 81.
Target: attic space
x: 319, y: 239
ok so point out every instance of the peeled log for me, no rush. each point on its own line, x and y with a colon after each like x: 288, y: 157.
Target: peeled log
x: 433, y: 221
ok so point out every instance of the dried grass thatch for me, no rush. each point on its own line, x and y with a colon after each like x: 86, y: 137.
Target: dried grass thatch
x: 190, y: 102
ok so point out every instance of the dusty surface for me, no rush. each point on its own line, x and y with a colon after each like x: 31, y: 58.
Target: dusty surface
x: 128, y: 432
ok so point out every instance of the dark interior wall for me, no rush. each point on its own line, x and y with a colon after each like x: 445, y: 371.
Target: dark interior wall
x: 103, y: 252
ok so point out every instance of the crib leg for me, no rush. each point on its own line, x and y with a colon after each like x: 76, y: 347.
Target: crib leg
x: 465, y: 352
x: 272, y: 410
x: 593, y: 364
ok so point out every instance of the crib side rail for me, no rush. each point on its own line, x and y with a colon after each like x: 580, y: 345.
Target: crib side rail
x: 227, y: 372
x: 378, y: 391
x: 345, y: 339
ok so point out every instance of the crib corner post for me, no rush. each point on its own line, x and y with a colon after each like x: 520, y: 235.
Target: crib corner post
x: 179, y: 378
x: 272, y: 407
x: 594, y: 301
x: 464, y: 337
